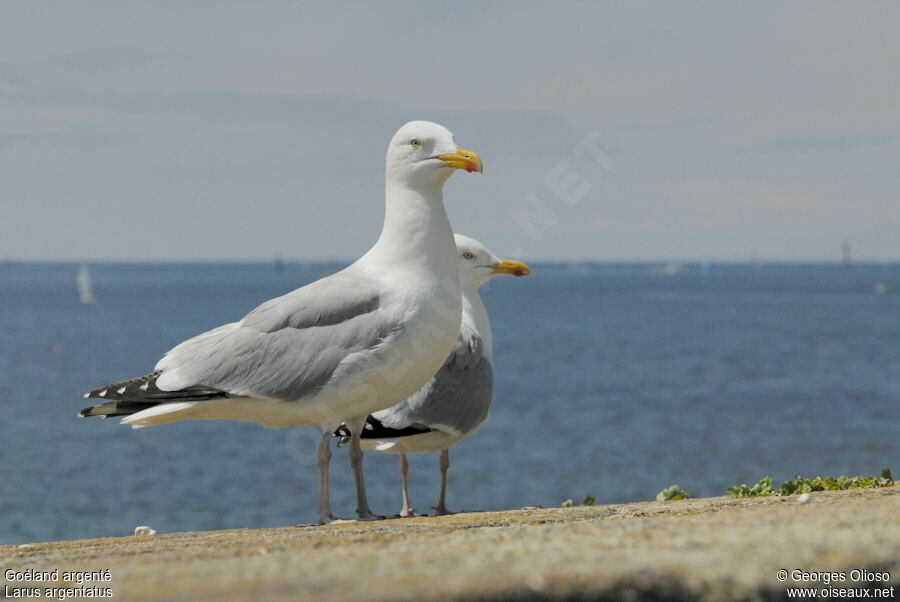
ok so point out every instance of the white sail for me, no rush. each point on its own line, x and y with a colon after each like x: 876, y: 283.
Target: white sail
x: 85, y: 288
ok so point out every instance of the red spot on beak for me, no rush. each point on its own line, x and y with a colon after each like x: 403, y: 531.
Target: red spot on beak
x: 470, y: 167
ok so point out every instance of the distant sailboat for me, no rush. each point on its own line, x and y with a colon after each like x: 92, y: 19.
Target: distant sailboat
x: 671, y: 269
x: 881, y: 287
x: 756, y: 263
x: 580, y: 268
x: 85, y: 288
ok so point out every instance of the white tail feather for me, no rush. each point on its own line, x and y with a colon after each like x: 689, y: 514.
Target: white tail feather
x: 163, y: 413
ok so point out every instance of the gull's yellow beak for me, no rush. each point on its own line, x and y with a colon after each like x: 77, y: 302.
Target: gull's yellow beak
x: 463, y: 159
x: 514, y: 268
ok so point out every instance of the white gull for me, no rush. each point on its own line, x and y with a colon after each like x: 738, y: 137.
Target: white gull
x: 456, y: 402
x: 338, y: 349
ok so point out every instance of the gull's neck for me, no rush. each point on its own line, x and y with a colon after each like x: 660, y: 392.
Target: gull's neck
x: 475, y: 317
x: 416, y: 232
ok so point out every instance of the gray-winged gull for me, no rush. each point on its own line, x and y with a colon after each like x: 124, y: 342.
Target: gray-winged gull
x: 455, y: 403
x: 338, y: 349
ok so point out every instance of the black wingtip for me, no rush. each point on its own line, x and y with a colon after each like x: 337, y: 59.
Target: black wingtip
x: 97, y: 393
x: 374, y: 429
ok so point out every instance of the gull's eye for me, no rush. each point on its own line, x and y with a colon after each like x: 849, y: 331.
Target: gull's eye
x: 415, y: 143
x: 468, y: 255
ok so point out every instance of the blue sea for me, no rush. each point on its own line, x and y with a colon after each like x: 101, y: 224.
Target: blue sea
x: 615, y: 380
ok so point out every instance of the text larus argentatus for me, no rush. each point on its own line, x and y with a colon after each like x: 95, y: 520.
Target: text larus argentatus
x: 340, y: 348
x: 455, y: 403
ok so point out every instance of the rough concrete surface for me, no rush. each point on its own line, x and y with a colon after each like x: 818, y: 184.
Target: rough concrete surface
x: 703, y: 549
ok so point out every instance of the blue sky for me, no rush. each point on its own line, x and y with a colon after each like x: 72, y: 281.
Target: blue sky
x: 202, y: 130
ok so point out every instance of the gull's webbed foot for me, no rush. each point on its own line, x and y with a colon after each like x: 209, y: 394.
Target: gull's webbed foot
x: 342, y: 521
x: 330, y: 519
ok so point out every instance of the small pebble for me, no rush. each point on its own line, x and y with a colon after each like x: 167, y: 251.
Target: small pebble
x: 804, y: 498
x: 144, y: 530
x: 535, y: 582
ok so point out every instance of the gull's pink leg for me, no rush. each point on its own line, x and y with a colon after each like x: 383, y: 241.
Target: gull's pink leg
x: 323, y: 457
x: 404, y: 468
x: 441, y: 508
x: 356, y: 463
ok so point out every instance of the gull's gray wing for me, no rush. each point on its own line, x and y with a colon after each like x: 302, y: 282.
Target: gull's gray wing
x: 289, y: 347
x: 456, y: 399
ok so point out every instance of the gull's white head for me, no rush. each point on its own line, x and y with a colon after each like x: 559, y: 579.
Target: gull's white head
x: 424, y: 154
x: 477, y: 265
